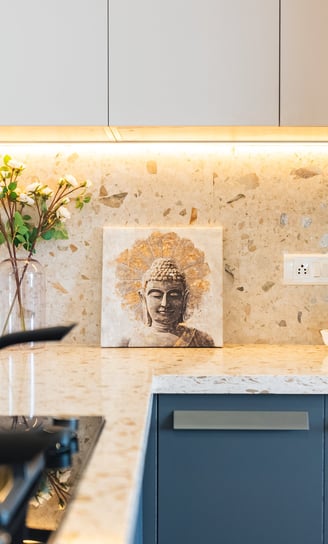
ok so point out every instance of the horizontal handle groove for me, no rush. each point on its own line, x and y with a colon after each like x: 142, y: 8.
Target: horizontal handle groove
x: 240, y: 420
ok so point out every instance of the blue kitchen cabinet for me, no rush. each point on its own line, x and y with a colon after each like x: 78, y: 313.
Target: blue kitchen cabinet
x: 233, y: 469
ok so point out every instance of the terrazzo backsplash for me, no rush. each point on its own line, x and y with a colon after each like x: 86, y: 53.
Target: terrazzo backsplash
x: 270, y: 199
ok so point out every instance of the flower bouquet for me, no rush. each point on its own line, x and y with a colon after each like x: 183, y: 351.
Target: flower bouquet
x: 28, y: 214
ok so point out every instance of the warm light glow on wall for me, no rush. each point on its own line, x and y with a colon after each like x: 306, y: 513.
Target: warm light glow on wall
x: 140, y: 149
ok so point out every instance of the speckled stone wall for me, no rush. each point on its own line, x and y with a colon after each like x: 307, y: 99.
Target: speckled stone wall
x: 269, y: 198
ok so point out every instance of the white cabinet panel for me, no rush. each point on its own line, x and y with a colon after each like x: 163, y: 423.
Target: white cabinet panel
x: 54, y: 62
x: 183, y: 62
x: 304, y: 62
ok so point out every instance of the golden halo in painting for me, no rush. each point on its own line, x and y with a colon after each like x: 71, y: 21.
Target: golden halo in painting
x: 183, y: 267
x: 132, y: 263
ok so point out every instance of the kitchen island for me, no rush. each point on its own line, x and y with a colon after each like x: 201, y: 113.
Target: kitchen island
x: 118, y: 383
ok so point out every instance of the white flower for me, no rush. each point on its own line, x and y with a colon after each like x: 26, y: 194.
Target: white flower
x: 68, y: 180
x: 33, y: 187
x: 25, y: 199
x: 87, y: 183
x: 37, y: 188
x: 46, y: 191
x: 62, y: 213
x: 16, y: 164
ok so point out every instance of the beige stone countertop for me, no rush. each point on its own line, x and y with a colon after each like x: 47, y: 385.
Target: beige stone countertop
x: 69, y: 380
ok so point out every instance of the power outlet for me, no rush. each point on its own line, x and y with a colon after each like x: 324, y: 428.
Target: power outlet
x: 310, y: 269
x: 303, y: 269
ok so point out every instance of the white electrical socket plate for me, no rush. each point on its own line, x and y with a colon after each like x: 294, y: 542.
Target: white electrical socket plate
x: 305, y: 269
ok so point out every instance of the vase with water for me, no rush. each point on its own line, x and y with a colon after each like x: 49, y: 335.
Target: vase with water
x: 22, y: 295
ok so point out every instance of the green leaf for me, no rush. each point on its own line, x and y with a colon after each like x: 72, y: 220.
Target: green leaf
x: 2, y: 238
x: 61, y: 234
x: 6, y: 159
x: 21, y: 239
x: 23, y: 229
x: 48, y: 234
x: 44, y: 206
x: 33, y: 234
x: 56, y: 233
x: 27, y: 217
x: 18, y: 219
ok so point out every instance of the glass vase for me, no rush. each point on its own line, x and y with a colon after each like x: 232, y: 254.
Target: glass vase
x: 22, y: 295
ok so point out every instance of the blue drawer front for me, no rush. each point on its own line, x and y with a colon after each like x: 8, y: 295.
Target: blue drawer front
x: 241, y: 486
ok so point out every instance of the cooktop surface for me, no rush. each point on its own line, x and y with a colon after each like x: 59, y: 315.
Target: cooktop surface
x: 42, y: 460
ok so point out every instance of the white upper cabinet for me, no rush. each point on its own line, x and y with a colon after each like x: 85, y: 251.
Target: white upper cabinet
x: 304, y: 63
x: 162, y: 63
x: 193, y: 62
x: 54, y: 68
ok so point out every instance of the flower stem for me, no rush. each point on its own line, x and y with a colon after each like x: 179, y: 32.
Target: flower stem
x: 17, y: 295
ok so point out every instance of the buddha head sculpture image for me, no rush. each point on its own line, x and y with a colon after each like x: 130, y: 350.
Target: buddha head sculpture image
x: 164, y: 297
x: 162, y: 287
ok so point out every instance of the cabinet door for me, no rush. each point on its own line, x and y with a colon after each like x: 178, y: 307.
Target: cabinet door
x: 54, y: 62
x: 180, y: 63
x: 232, y: 486
x: 304, y: 62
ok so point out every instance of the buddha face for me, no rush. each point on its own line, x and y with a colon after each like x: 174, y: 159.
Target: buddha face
x: 165, y: 302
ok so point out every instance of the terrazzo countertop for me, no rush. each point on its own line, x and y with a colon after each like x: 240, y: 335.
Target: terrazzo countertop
x: 70, y: 380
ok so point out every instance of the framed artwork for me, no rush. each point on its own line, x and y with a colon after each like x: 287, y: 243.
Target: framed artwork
x: 162, y: 287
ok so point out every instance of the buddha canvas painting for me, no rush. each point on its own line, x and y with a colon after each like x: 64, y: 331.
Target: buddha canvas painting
x: 162, y: 287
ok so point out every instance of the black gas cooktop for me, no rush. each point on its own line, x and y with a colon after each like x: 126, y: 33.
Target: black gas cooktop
x: 41, y: 462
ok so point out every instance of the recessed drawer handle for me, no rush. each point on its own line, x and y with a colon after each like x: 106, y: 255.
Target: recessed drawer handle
x: 240, y: 420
